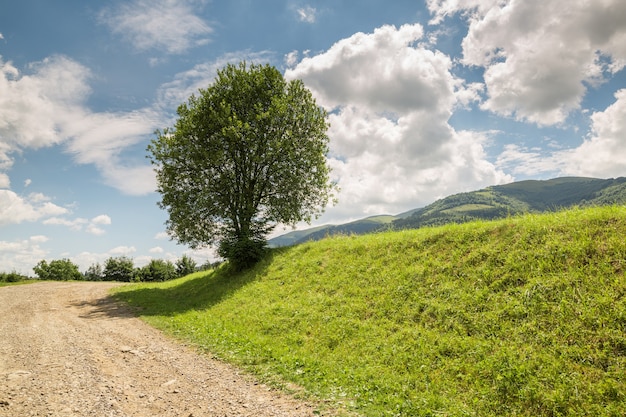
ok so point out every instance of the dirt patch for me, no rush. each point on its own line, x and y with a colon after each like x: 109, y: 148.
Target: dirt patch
x: 67, y: 349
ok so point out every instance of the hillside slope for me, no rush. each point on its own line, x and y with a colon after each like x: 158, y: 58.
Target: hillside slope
x: 523, y: 316
x: 532, y: 196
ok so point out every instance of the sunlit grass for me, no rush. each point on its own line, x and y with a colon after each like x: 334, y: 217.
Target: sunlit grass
x: 519, y: 317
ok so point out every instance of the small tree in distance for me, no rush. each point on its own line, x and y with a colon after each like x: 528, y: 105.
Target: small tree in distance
x: 245, y: 155
x: 185, y: 266
x: 58, y: 270
x: 119, y: 269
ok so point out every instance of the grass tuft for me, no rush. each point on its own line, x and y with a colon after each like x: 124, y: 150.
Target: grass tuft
x: 520, y: 317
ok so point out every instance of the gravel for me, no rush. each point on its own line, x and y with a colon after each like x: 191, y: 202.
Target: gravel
x: 68, y: 349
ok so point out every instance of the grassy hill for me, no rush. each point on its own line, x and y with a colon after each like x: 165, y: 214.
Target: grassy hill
x: 490, y: 203
x: 524, y: 316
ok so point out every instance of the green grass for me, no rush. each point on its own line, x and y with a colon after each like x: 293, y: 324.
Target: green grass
x: 518, y: 317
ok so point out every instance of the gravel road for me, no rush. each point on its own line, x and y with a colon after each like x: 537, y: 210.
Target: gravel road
x: 67, y: 349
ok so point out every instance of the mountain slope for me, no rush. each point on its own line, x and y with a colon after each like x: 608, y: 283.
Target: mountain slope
x: 531, y: 196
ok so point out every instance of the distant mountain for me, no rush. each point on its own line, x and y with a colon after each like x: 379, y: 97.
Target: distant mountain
x: 532, y: 196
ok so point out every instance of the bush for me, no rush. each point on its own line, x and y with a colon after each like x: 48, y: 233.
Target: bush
x: 58, y: 270
x: 242, y: 253
x: 119, y: 269
x: 185, y: 266
x: 157, y: 270
x: 12, y: 277
x: 94, y: 273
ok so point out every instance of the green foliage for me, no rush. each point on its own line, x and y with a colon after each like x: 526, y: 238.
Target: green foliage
x: 247, y: 154
x: 185, y: 266
x: 524, y: 316
x: 57, y: 270
x: 12, y: 277
x: 94, y: 273
x: 157, y: 270
x: 119, y: 269
x: 242, y: 253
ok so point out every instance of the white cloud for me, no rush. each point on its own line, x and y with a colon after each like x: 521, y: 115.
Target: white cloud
x: 307, y: 14
x: 47, y: 107
x: 27, y: 182
x: 5, y: 182
x: 74, y: 224
x: 186, y: 83
x: 19, y: 255
x: 101, y: 219
x: 157, y: 249
x: 122, y: 251
x: 33, y: 107
x: 390, y: 98
x: 161, y: 236
x: 91, y: 226
x: 95, y: 230
x: 539, y: 55
x: 603, y: 153
x: 15, y: 209
x: 291, y: 59
x: 169, y: 25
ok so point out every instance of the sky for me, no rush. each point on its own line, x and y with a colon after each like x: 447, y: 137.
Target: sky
x: 425, y: 99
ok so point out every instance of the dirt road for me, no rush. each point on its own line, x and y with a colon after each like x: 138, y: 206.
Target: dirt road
x: 66, y: 349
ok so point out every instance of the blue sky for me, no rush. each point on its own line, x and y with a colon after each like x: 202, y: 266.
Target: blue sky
x: 426, y: 99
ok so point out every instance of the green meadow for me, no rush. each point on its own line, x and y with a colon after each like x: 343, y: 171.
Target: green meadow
x: 524, y: 316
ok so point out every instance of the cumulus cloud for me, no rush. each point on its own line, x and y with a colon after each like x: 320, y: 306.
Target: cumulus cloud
x: 77, y: 224
x: 390, y: 99
x: 170, y: 25
x: 540, y: 56
x: 18, y: 255
x: 122, y: 251
x: 15, y: 209
x: 101, y: 219
x: 603, y: 153
x: 46, y: 107
x: 5, y: 182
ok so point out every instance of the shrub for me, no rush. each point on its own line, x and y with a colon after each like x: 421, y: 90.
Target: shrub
x: 57, y: 270
x: 157, y: 270
x: 185, y: 266
x: 12, y: 277
x: 94, y: 273
x: 119, y: 269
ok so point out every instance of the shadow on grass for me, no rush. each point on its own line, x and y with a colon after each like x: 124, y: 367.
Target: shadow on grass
x: 196, y: 293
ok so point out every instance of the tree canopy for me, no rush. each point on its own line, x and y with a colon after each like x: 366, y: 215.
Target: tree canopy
x: 246, y: 154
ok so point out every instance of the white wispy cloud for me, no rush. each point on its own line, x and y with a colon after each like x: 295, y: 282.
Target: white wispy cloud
x: 47, y: 107
x: 390, y: 100
x: 537, y: 67
x: 170, y: 25
x: 307, y: 14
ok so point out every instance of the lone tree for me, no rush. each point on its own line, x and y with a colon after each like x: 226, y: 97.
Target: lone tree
x: 245, y: 155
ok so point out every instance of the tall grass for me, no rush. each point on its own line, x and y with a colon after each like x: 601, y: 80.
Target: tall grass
x: 520, y: 317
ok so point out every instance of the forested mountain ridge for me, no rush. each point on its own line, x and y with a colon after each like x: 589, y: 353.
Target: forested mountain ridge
x: 530, y: 196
